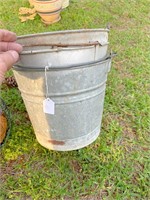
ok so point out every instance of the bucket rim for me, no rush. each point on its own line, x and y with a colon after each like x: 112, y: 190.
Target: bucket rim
x: 17, y: 67
x: 63, y: 32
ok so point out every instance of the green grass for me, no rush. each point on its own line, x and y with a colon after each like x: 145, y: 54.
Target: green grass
x: 116, y: 165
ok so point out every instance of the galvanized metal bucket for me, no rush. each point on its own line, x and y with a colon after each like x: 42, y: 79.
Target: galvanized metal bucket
x: 77, y: 94
x: 64, y: 99
x: 64, y: 48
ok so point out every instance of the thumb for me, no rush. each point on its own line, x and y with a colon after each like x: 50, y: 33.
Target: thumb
x: 7, y: 59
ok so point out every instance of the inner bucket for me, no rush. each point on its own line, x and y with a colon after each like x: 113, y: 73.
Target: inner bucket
x: 63, y: 48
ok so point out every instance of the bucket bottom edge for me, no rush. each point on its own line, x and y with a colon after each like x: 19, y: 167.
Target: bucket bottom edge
x: 71, y: 144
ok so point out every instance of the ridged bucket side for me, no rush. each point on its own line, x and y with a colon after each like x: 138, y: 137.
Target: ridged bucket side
x: 78, y: 94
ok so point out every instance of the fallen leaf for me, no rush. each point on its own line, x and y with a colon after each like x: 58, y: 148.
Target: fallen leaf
x: 31, y: 17
x: 26, y: 11
x: 25, y: 18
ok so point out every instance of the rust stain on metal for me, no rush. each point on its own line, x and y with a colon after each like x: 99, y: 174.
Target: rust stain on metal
x: 64, y: 45
x: 55, y: 142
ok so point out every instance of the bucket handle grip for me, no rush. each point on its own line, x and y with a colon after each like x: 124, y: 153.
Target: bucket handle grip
x: 112, y: 54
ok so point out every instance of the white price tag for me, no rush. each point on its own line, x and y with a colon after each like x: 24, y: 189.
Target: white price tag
x: 49, y: 106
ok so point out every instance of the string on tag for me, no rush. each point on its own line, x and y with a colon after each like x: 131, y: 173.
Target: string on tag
x: 48, y: 104
x: 46, y: 82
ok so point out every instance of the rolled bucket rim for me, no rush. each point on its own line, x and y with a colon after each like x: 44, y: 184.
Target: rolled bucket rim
x: 63, y: 32
x: 73, y: 67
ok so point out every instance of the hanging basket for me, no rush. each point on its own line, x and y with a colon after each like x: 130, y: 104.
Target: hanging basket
x: 5, y: 122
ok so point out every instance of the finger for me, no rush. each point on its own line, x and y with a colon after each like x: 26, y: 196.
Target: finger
x: 6, y: 46
x: 7, y: 36
x: 7, y: 59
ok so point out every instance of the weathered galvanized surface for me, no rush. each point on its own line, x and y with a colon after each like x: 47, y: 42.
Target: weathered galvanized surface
x: 60, y: 56
x: 67, y: 37
x: 63, y: 48
x: 75, y: 82
x: 78, y: 93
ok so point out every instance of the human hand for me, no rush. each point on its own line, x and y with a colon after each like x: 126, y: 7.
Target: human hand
x: 9, y: 51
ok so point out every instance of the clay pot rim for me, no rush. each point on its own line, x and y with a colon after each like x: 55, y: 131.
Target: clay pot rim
x: 53, y: 12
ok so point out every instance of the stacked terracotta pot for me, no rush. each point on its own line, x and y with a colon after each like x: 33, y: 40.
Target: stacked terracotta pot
x: 49, y: 10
